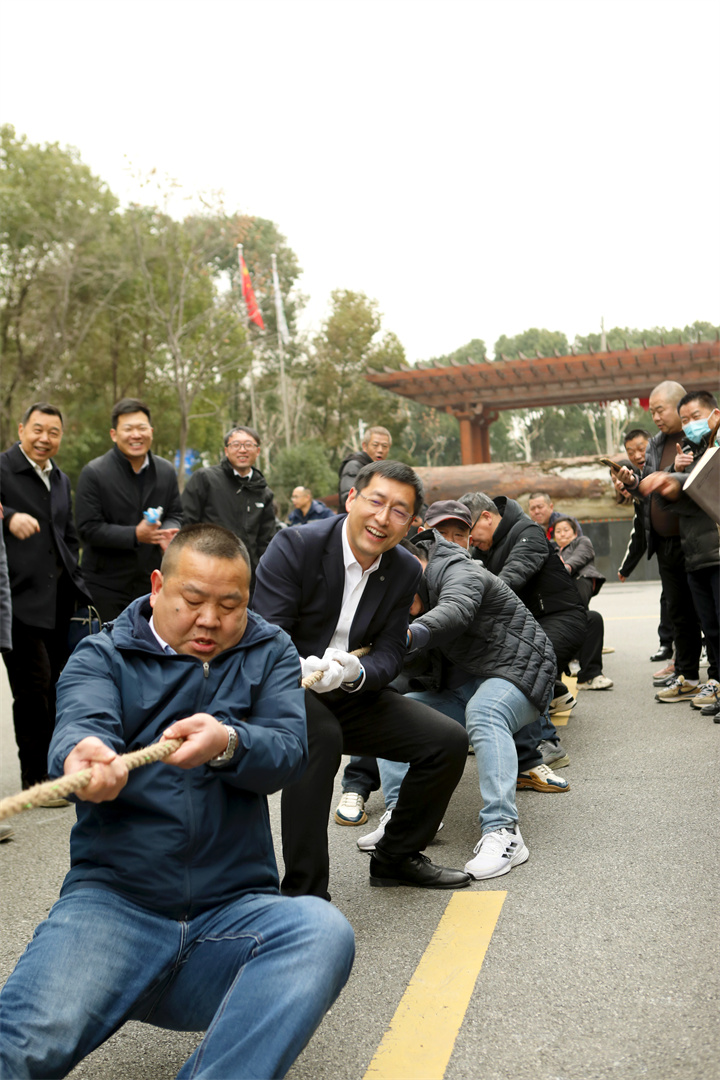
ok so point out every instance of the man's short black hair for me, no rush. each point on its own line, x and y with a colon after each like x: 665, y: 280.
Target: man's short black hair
x: 418, y: 552
x: 703, y: 397
x: 43, y: 407
x: 246, y: 431
x: 213, y: 540
x: 392, y: 470
x: 633, y: 434
x: 571, y: 522
x: 129, y: 405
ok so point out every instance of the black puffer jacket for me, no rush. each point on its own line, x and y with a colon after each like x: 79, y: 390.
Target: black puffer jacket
x: 478, y: 623
x: 242, y: 504
x: 522, y: 557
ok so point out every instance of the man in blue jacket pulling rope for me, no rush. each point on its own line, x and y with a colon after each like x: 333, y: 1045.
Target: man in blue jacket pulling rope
x: 170, y: 913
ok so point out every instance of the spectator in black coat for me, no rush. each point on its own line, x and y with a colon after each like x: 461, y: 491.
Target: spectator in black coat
x: 662, y: 534
x: 45, y: 581
x: 234, y: 494
x: 121, y: 548
x: 305, y: 508
x: 577, y: 554
x: 699, y: 535
x: 376, y: 445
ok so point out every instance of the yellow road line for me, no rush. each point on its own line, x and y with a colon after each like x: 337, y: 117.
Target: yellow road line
x: 422, y: 1032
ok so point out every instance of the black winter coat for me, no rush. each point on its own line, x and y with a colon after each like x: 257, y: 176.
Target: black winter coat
x: 523, y: 557
x: 109, y: 503
x: 243, y: 504
x: 478, y: 623
x: 699, y: 535
x: 38, y: 565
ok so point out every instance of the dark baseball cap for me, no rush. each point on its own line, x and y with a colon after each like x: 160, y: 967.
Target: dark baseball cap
x: 448, y: 510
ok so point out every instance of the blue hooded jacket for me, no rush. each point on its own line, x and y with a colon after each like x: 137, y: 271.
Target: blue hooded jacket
x: 179, y: 841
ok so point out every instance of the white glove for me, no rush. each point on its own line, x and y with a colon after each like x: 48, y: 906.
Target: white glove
x: 332, y: 678
x: 352, y: 668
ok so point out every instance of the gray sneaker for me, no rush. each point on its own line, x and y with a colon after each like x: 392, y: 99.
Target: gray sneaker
x: 553, y: 754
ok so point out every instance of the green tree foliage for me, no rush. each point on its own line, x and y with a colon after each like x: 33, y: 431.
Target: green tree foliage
x: 531, y: 343
x: 623, y: 337
x: 474, y: 352
x: 56, y: 222
x: 306, y: 465
x: 337, y: 394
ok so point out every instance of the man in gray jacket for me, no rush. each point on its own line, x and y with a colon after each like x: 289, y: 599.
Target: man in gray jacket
x: 493, y: 671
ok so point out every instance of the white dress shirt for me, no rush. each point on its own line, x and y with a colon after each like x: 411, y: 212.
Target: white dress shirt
x: 355, y: 581
x: 43, y: 471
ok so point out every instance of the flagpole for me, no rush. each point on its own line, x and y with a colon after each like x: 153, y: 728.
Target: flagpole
x: 281, y: 350
x: 252, y: 350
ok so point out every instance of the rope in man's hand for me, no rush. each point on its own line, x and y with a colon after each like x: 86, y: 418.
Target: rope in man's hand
x: 146, y: 755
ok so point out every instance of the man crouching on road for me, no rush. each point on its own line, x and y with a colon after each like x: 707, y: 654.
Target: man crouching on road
x: 170, y: 913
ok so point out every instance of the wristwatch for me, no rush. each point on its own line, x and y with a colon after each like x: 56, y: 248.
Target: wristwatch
x: 229, y: 752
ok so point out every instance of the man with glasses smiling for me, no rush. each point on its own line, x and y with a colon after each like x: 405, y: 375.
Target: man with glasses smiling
x: 335, y: 586
x: 234, y: 494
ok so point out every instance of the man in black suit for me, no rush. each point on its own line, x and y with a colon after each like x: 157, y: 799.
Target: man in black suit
x: 334, y: 586
x: 121, y: 547
x: 45, y: 582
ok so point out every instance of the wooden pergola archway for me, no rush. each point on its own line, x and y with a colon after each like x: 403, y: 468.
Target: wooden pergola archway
x: 476, y: 393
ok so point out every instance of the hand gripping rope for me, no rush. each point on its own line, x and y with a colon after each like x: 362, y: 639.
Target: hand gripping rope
x: 66, y: 785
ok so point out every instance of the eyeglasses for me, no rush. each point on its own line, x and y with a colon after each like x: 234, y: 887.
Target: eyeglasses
x: 242, y: 446
x: 134, y: 429
x: 397, y: 516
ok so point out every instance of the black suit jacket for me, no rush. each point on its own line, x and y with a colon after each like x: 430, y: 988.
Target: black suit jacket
x: 109, y: 503
x: 300, y: 582
x: 38, y: 565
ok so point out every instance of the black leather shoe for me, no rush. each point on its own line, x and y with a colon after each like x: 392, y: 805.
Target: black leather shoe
x: 664, y: 653
x: 416, y: 870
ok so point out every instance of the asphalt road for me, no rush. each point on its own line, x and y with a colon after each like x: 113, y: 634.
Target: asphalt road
x: 604, y: 960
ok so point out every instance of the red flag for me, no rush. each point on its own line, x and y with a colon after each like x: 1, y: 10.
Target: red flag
x: 253, y: 311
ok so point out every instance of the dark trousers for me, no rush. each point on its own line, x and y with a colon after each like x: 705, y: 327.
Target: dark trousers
x: 590, y: 654
x: 665, y: 630
x: 684, y: 618
x: 110, y: 604
x: 33, y: 668
x: 361, y: 776
x: 705, y: 590
x: 381, y: 724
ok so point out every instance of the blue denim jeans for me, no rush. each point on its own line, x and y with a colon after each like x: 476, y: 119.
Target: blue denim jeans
x: 492, y: 710
x: 257, y: 975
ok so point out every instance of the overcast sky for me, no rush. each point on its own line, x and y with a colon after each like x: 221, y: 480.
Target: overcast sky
x: 477, y: 167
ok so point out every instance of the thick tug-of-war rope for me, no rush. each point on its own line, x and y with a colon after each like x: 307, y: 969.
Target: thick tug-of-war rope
x: 66, y: 785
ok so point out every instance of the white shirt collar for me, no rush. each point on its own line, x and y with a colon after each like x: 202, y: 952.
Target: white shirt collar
x: 247, y: 476
x: 43, y: 470
x: 163, y: 644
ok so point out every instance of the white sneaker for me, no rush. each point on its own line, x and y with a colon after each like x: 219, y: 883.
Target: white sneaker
x: 351, y: 809
x: 497, y: 853
x: 600, y: 682
x: 367, y: 843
